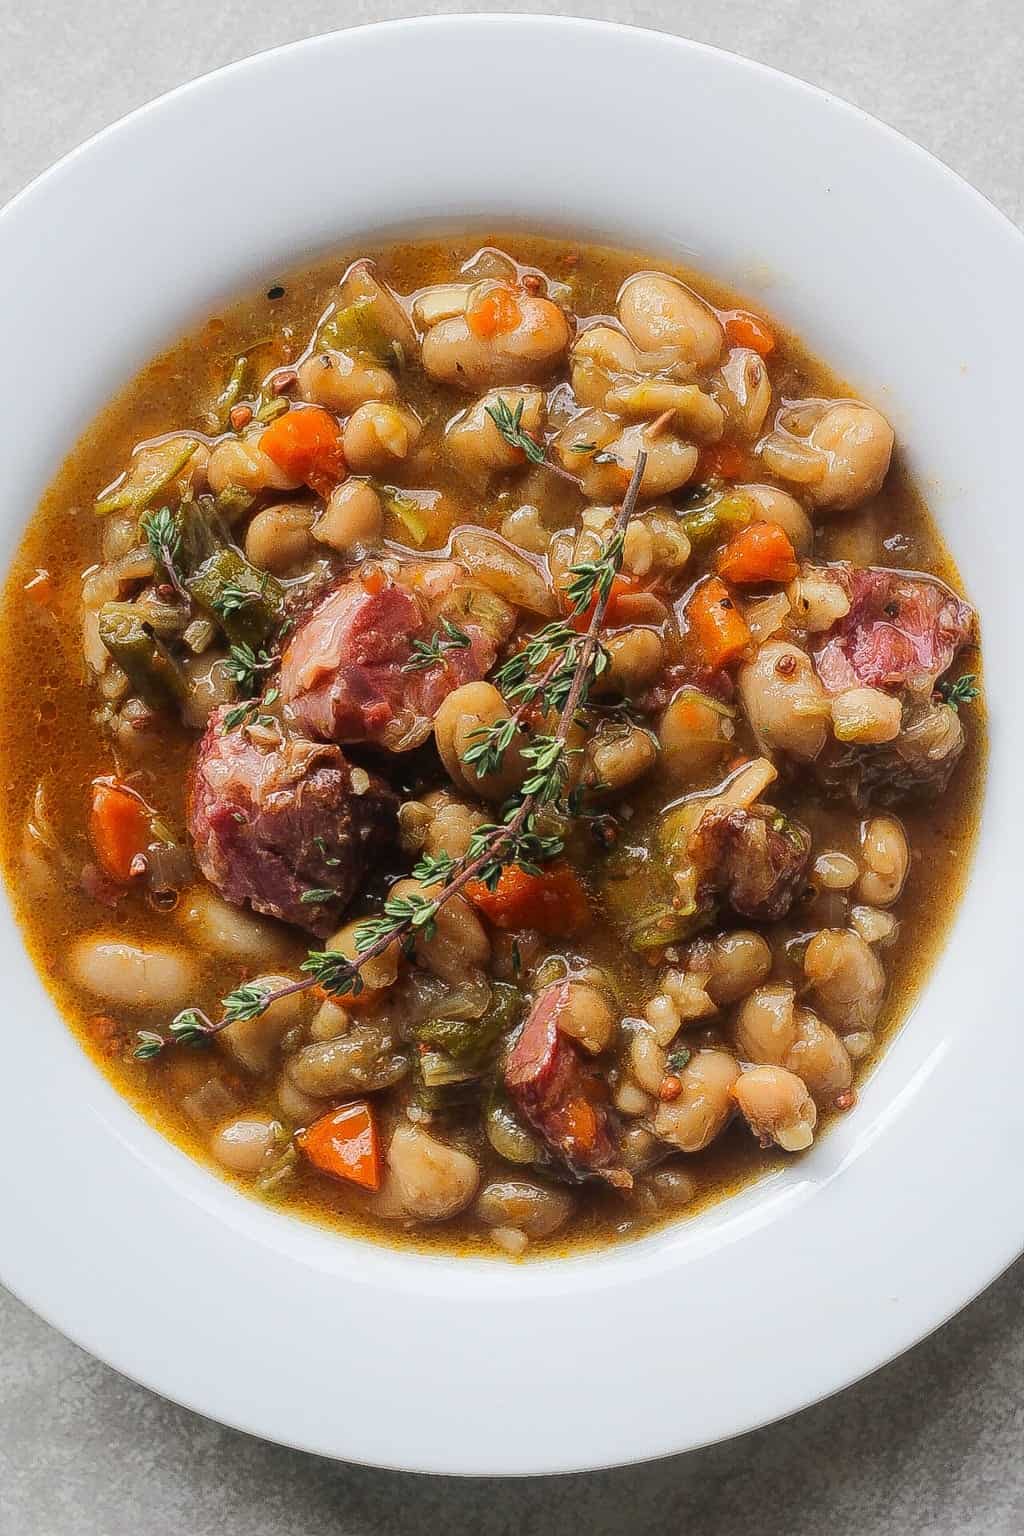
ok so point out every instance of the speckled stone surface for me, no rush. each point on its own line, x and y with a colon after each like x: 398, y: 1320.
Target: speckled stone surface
x: 930, y: 1446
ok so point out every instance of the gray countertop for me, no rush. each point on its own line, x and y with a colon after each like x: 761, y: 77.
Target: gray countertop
x: 931, y: 1444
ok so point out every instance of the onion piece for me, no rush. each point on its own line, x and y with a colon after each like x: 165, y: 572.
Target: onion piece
x: 210, y: 1104
x: 504, y: 569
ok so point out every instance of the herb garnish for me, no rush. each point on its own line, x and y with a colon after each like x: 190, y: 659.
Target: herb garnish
x: 231, y: 597
x: 248, y: 713
x: 964, y: 690
x: 243, y: 665
x: 162, y: 534
x: 515, y: 839
x: 431, y: 653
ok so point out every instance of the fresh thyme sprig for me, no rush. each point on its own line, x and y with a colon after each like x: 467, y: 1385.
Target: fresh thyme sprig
x: 517, y: 839
x: 431, y: 653
x: 509, y: 423
x: 249, y: 713
x: 964, y: 690
x: 243, y: 665
x: 162, y: 534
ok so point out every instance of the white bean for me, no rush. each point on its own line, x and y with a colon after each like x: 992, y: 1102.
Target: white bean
x: 364, y: 1060
x: 885, y: 852
x: 377, y: 436
x: 835, y: 871
x: 229, y: 930
x: 744, y: 391
x: 459, y: 945
x: 695, y: 732
x: 819, y: 1057
x: 459, y: 720
x: 134, y: 975
x: 532, y: 1208
x: 341, y: 382
x: 586, y: 1016
x: 693, y: 1120
x: 300, y: 1108
x: 658, y: 311
x: 620, y: 753
x: 254, y: 1042
x: 784, y: 701
x: 246, y: 1144
x: 857, y: 443
x: 635, y: 657
x: 433, y: 1181
x: 474, y: 442
x: 526, y: 352
x: 777, y: 1107
x: 776, y: 506
x: 279, y: 537
x: 866, y: 715
x: 847, y: 978
x: 353, y: 515
x: 241, y: 462
x: 766, y: 1028
x: 599, y: 355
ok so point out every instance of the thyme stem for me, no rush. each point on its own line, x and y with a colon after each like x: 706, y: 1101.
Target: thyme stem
x: 324, y: 968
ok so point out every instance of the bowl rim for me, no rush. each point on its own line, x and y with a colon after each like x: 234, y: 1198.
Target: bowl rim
x: 407, y: 1274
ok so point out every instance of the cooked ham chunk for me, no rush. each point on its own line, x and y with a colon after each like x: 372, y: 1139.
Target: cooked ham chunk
x: 547, y: 1080
x: 902, y: 631
x: 274, y: 826
x: 753, y: 856
x: 345, y: 674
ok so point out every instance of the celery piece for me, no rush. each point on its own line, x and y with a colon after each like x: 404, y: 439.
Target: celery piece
x: 356, y: 329
x: 137, y: 497
x: 707, y: 525
x: 408, y: 511
x: 229, y: 396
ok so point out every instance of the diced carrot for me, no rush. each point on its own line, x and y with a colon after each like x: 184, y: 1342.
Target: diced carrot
x: 494, y: 314
x: 373, y: 579
x: 40, y: 589
x: 722, y: 461
x: 622, y: 586
x: 120, y: 826
x: 344, y: 1143
x: 716, y: 624
x: 759, y: 552
x: 554, y: 902
x: 581, y: 1125
x: 306, y: 445
x: 747, y: 330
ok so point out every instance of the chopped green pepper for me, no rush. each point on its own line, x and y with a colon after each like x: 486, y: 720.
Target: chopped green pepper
x: 406, y: 509
x: 669, y: 925
x: 471, y: 1041
x: 246, y: 603
x: 142, y: 656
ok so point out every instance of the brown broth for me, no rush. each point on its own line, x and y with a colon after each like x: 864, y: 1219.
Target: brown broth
x: 47, y: 732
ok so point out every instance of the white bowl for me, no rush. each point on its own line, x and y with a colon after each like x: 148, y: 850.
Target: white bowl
x: 909, y: 284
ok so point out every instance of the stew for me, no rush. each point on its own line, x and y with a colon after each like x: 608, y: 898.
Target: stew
x: 493, y: 741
